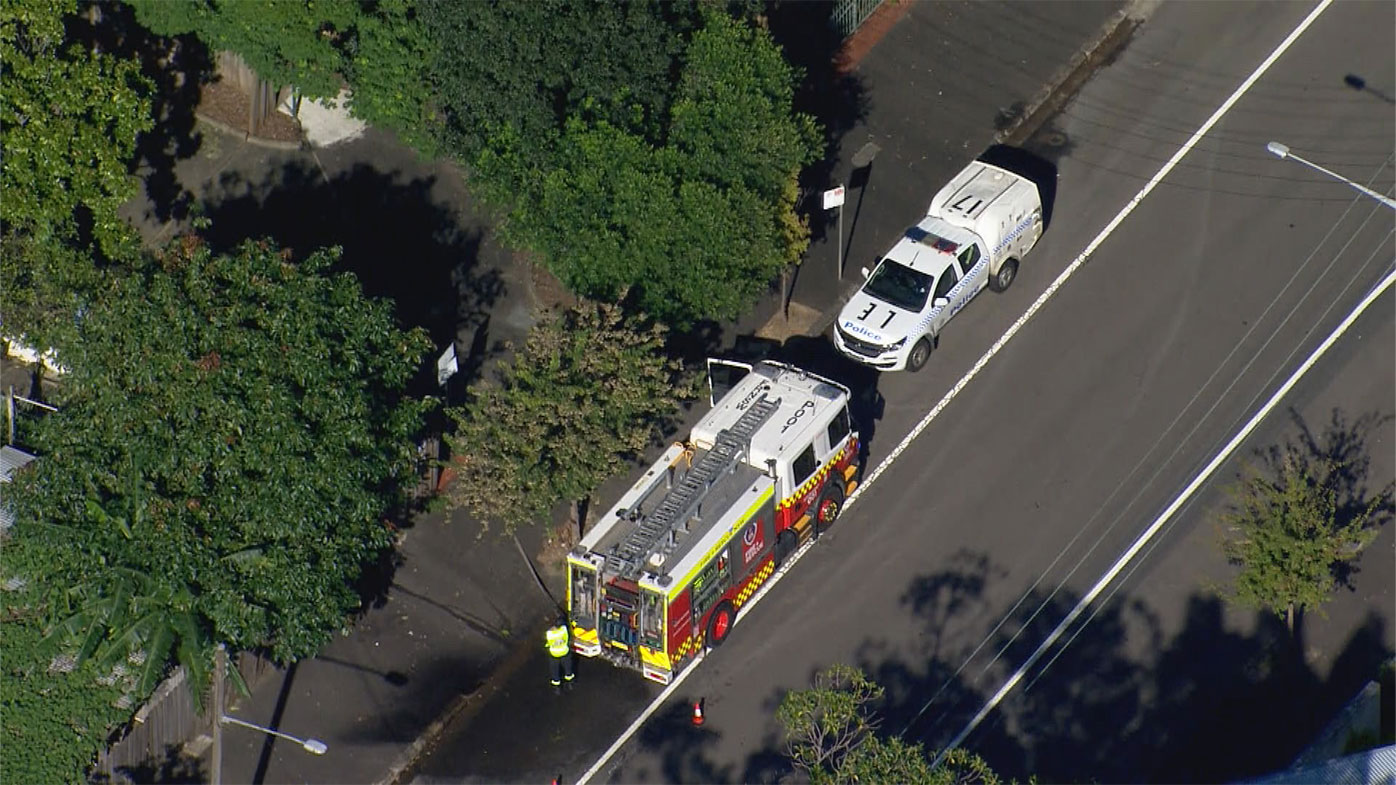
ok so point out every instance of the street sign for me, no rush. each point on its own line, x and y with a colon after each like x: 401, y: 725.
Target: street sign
x: 833, y: 198
x: 446, y: 365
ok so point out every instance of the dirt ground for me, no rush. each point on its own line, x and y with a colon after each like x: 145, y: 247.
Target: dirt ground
x: 227, y: 104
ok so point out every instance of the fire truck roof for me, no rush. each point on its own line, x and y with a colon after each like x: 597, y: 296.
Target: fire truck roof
x: 805, y: 399
x: 724, y: 506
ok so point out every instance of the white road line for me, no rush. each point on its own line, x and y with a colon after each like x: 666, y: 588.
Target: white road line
x: 1091, y: 247
x: 965, y: 380
x: 1172, y: 508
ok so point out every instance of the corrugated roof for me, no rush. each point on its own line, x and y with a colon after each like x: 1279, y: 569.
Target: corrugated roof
x: 11, y: 461
x: 1373, y: 767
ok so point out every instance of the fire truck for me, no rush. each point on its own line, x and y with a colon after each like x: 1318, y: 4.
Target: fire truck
x: 667, y: 571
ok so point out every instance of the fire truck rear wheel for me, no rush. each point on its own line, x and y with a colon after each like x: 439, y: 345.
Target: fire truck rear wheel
x: 720, y: 623
x: 830, y: 505
x: 1001, y: 280
x: 785, y: 545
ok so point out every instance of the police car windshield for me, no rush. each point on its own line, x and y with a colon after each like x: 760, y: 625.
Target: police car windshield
x: 899, y: 285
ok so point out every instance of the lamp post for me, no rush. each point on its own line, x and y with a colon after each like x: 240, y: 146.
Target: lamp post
x: 220, y: 666
x: 1282, y: 152
x: 309, y: 745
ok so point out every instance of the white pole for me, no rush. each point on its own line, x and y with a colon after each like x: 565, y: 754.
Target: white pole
x: 840, y: 271
x: 1281, y: 151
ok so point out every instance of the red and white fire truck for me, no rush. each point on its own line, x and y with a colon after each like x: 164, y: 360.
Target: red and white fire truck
x: 668, y: 569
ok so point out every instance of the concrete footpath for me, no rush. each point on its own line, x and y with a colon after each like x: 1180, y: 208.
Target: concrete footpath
x: 451, y: 652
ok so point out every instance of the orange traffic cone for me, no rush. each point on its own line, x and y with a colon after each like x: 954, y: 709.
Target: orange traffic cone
x: 557, y: 780
x: 698, y: 712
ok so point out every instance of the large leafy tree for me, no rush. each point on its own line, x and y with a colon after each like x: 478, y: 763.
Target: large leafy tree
x: 693, y: 229
x: 831, y: 737
x: 231, y: 432
x: 69, y: 119
x: 522, y: 68
x: 1291, y: 535
x: 589, y: 390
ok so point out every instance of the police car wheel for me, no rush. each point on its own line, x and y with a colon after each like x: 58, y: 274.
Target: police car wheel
x: 720, y: 623
x: 920, y: 353
x: 830, y: 505
x: 1004, y: 277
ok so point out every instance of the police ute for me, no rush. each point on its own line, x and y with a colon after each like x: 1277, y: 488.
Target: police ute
x: 976, y: 230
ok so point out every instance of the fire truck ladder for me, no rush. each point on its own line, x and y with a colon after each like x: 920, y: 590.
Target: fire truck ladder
x: 683, y: 499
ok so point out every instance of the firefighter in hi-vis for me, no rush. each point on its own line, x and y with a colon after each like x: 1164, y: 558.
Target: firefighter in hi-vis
x: 559, y: 645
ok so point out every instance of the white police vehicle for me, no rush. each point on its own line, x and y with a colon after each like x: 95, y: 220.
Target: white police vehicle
x: 976, y: 230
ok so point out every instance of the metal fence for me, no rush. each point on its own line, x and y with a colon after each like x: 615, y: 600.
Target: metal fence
x: 848, y: 15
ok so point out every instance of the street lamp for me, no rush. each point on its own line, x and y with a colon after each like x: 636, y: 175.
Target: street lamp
x: 220, y: 672
x: 1281, y: 151
x: 309, y: 745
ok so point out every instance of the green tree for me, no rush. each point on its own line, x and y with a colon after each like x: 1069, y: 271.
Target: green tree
x: 386, y: 69
x: 588, y: 392
x: 1290, y: 536
x: 69, y: 120
x: 380, y: 50
x: 232, y: 431
x: 286, y: 42
x: 693, y: 230
x: 55, y: 714
x: 830, y: 732
x: 521, y: 69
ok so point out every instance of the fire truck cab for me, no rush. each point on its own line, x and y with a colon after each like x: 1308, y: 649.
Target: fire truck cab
x: 668, y: 569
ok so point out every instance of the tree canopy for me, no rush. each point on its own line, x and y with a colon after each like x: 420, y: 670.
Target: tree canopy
x: 1290, y: 535
x: 831, y: 736
x: 297, y: 43
x: 694, y: 228
x: 69, y: 120
x: 379, y: 50
x: 589, y: 390
x: 524, y: 68
x: 228, y: 438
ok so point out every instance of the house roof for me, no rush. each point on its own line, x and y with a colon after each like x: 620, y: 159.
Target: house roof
x: 11, y: 461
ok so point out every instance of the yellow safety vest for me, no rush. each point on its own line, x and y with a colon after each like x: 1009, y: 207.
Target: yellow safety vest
x: 557, y: 641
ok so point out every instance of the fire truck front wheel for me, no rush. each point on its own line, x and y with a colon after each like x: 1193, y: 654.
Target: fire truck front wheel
x: 720, y: 623
x: 830, y: 505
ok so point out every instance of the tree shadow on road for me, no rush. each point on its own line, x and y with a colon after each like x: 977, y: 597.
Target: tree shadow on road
x: 681, y: 747
x: 1339, y: 456
x: 1118, y: 699
x: 176, y: 67
x: 1123, y: 701
x: 396, y: 239
x: 836, y: 98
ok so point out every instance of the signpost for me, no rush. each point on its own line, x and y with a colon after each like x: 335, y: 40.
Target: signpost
x: 447, y: 365
x: 834, y: 198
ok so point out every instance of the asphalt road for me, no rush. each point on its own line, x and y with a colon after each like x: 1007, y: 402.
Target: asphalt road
x: 1049, y: 463
x: 1043, y: 470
